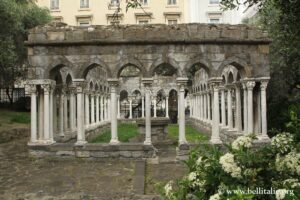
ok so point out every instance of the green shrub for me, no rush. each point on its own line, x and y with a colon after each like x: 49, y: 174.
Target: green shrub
x: 241, y: 171
x: 22, y: 118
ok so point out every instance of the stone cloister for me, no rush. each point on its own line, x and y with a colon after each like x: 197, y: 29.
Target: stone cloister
x: 81, y: 79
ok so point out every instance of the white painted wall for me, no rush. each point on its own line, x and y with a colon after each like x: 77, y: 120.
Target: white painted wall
x: 201, y: 11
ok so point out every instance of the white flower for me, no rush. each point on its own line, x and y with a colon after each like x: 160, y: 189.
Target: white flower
x: 283, y: 142
x: 229, y: 165
x: 280, y: 194
x: 293, y: 183
x: 192, y: 176
x: 215, y: 197
x: 243, y: 141
x: 289, y: 162
x: 198, y: 162
x: 168, y: 189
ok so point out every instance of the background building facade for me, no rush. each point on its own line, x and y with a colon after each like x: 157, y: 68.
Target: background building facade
x: 209, y: 11
x: 105, y: 12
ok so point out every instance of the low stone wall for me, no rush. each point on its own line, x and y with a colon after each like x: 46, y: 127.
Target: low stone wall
x: 97, y: 130
x: 202, y: 127
x: 123, y: 150
x: 90, y: 133
x: 228, y: 136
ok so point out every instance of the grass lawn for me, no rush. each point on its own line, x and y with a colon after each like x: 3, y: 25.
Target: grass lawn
x: 125, y: 132
x: 191, y: 134
x: 11, y: 119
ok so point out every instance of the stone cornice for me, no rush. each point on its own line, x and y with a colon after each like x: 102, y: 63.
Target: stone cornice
x: 51, y: 35
x: 149, y: 42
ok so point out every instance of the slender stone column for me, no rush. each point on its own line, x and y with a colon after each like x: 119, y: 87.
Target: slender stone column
x: 167, y: 106
x: 93, y: 109
x: 72, y: 110
x: 205, y: 107
x: 46, y: 89
x: 102, y: 108
x: 257, y: 121
x: 33, y: 138
x: 215, y: 135
x: 80, y: 85
x: 223, y: 113
x: 181, y: 82
x: 263, y: 87
x: 65, y: 112
x: 113, y: 109
x: 238, y: 116
x: 87, y: 109
x: 109, y: 107
x: 154, y: 102
x: 130, y: 108
x: 55, y: 128
x: 209, y: 107
x: 119, y: 108
x: 147, y: 84
x: 245, y: 105
x: 191, y: 105
x: 229, y: 109
x: 97, y: 109
x: 250, y: 86
x: 41, y: 115
x: 197, y: 106
x: 201, y: 106
x: 51, y: 135
x: 143, y: 107
x: 61, y: 114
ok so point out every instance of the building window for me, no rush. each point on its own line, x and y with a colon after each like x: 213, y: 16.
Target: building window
x: 84, y: 21
x: 54, y: 4
x: 214, y: 1
x: 172, y: 2
x: 143, y: 21
x: 172, y: 21
x: 144, y: 2
x: 214, y: 21
x: 113, y: 19
x: 84, y: 4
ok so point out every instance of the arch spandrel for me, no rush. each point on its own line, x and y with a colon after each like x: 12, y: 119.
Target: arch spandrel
x: 165, y: 60
x: 124, y: 62
x: 240, y: 64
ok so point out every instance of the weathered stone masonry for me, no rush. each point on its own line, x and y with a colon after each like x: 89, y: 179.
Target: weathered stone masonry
x: 220, y: 75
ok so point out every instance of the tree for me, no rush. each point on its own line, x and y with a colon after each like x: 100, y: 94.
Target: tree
x: 16, y: 18
x: 281, y: 18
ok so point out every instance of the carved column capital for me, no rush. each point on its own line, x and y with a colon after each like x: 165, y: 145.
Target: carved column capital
x: 250, y: 85
x: 263, y: 85
x: 80, y: 85
x: 32, y: 88
x: 46, y: 88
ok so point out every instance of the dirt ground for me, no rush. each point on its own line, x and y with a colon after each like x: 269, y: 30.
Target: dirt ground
x: 25, y: 177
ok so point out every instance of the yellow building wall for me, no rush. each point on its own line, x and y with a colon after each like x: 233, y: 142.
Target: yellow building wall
x: 70, y: 11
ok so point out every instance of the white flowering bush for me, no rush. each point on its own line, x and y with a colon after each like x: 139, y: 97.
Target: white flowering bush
x: 243, y: 142
x: 283, y: 143
x: 218, y: 173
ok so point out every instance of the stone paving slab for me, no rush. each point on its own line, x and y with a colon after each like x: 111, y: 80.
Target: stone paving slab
x: 24, y: 177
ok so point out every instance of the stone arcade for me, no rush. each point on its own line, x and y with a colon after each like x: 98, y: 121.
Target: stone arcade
x: 82, y: 79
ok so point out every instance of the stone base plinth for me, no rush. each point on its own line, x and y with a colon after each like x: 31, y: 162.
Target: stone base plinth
x: 159, y: 127
x: 122, y: 150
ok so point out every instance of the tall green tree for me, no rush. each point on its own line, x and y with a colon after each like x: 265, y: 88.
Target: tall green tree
x: 16, y: 18
x: 281, y: 18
